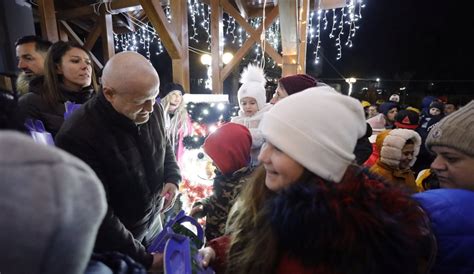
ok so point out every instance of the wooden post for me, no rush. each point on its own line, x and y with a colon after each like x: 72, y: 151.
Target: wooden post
x: 49, y: 28
x: 289, y: 37
x: 179, y: 23
x: 303, y: 35
x: 157, y: 17
x: 107, y: 34
x: 93, y: 35
x: 217, y: 49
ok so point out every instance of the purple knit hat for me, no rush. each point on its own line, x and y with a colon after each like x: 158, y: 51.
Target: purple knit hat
x: 296, y: 83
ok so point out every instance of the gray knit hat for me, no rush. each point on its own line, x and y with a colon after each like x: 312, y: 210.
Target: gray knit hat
x: 455, y: 131
x: 51, y: 207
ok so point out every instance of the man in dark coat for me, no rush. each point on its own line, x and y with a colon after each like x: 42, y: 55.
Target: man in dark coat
x: 121, y: 134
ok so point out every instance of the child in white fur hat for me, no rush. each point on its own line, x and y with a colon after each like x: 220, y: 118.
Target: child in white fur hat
x: 398, y: 149
x: 252, y: 102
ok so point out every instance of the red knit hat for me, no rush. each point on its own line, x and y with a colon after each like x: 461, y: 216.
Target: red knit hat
x: 229, y: 147
x: 296, y: 83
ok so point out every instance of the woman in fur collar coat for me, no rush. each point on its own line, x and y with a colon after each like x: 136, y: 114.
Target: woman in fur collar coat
x: 398, y: 149
x: 311, y: 210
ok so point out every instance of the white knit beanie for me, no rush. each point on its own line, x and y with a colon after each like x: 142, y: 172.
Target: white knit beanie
x: 253, y: 85
x: 318, y: 128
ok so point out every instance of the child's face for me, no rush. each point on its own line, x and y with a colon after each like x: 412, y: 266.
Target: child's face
x: 391, y: 114
x: 372, y: 111
x: 407, y: 155
x: 249, y: 106
x: 435, y: 111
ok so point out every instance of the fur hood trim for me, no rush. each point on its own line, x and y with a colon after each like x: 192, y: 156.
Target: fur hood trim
x: 334, y: 225
x: 392, y: 142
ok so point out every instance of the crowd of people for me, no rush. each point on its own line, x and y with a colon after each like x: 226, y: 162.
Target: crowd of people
x: 373, y: 188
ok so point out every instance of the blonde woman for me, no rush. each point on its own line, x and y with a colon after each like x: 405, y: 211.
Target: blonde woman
x: 178, y: 123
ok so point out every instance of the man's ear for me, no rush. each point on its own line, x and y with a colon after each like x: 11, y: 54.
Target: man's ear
x: 109, y: 93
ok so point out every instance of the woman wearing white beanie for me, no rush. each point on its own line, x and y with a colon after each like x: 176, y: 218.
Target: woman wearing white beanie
x: 314, y: 211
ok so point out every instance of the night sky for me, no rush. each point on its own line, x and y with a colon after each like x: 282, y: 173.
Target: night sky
x: 416, y: 39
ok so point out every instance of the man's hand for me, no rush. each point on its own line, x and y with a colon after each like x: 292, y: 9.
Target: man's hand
x: 169, y: 195
x: 157, y: 265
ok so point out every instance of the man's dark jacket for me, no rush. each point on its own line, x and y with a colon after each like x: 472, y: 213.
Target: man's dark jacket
x: 133, y: 162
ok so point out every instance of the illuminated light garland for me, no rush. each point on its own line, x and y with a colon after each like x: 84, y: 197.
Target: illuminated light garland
x: 145, y: 36
x: 349, y: 15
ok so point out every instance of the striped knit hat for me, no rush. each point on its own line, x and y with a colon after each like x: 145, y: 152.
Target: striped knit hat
x: 455, y: 131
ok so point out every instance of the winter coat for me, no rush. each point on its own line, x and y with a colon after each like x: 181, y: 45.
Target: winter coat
x: 32, y: 105
x: 451, y: 212
x: 363, y: 148
x: 113, y: 262
x: 133, y: 163
x: 327, y: 229
x: 389, y: 144
x: 216, y: 207
x: 252, y: 124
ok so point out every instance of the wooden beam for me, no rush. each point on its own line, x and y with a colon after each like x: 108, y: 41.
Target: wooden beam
x: 158, y: 19
x: 303, y: 37
x: 107, y: 34
x: 242, y: 9
x: 93, y: 35
x: 217, y: 48
x: 116, y: 6
x: 49, y: 29
x: 255, y: 33
x: 180, y: 25
x: 239, y: 55
x: 73, y: 36
x: 332, y: 4
x: 62, y: 34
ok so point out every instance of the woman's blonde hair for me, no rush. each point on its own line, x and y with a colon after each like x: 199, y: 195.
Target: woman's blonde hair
x: 178, y: 121
x: 251, y: 230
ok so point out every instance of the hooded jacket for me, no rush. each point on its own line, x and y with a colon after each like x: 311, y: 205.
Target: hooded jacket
x: 389, y: 145
x: 51, y: 206
x: 133, y: 162
x: 33, y: 106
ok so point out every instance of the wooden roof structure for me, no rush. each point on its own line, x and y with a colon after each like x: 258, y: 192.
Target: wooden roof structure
x: 64, y: 19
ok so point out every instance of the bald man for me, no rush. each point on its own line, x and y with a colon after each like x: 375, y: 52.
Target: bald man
x: 121, y: 134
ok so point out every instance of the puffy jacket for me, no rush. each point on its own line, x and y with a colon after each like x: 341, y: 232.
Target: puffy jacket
x: 133, y: 162
x: 451, y: 212
x: 389, y: 145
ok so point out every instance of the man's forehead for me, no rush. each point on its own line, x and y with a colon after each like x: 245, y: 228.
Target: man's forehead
x: 28, y: 48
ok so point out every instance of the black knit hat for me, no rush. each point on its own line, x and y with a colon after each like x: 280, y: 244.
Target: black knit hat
x: 438, y: 105
x: 169, y: 88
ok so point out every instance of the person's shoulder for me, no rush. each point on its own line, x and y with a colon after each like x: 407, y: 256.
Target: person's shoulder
x: 30, y: 98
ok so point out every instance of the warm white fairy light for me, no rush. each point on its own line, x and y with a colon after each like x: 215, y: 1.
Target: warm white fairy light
x: 318, y: 35
x: 341, y: 32
x: 145, y: 37
x: 349, y: 15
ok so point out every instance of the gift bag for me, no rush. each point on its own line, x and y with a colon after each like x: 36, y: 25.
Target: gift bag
x: 38, y: 132
x: 180, y: 246
x: 70, y: 108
